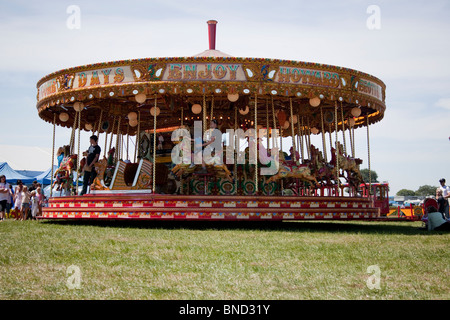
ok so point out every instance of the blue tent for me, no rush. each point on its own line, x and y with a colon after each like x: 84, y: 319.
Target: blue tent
x: 46, y: 176
x: 12, y: 176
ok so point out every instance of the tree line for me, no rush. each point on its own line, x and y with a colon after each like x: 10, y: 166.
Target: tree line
x: 425, y: 190
x: 422, y: 191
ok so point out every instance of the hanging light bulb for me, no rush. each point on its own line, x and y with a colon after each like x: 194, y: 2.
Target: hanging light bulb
x: 293, y: 119
x: 133, y: 123
x: 314, y: 130
x: 152, y: 111
x: 63, y: 117
x: 78, y: 106
x: 314, y: 102
x: 140, y: 97
x: 233, y: 97
x: 351, y: 122
x: 356, y: 112
x: 196, y: 108
x: 132, y: 116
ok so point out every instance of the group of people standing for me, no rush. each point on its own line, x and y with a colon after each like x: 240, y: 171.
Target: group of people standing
x: 25, y: 202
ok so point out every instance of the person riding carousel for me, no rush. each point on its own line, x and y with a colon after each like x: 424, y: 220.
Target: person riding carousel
x: 206, y: 149
x: 64, y: 174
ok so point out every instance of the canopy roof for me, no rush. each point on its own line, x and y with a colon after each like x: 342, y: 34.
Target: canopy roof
x: 110, y: 94
x: 212, y: 54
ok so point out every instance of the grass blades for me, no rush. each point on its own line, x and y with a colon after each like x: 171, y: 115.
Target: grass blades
x: 222, y: 260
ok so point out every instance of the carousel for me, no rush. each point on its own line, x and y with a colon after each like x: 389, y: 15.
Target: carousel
x: 263, y: 114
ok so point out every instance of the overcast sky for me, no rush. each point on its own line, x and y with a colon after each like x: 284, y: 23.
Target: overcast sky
x: 409, y: 52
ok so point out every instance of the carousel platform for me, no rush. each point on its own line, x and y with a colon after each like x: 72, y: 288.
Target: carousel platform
x: 146, y: 206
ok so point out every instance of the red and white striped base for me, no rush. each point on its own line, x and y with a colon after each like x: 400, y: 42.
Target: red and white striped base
x: 141, y: 205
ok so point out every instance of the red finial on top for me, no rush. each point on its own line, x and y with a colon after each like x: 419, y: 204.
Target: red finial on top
x: 212, y: 34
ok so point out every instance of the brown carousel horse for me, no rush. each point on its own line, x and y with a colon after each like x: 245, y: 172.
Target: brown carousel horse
x: 102, y: 166
x: 99, y: 183
x: 214, y: 166
x: 216, y: 169
x: 323, y: 171
x: 290, y: 169
x: 349, y: 165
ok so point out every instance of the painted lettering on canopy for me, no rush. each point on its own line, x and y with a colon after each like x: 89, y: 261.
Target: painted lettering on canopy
x: 102, y: 76
x: 307, y: 76
x: 370, y: 88
x: 209, y: 71
x: 48, y: 88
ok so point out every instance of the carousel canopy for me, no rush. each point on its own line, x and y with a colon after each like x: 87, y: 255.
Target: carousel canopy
x: 117, y: 96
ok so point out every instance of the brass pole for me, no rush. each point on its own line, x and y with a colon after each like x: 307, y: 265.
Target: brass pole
x: 323, y: 135
x: 293, y: 131
x: 154, y: 143
x: 343, y: 129
x: 337, y: 150
x: 256, y: 144
x: 138, y: 137
x: 368, y: 157
x: 78, y: 155
x: 53, y: 155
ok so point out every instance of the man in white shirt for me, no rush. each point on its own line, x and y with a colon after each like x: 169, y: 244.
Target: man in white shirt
x: 446, y: 194
x: 4, y: 194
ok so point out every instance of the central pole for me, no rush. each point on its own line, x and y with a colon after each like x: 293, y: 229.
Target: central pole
x: 212, y: 34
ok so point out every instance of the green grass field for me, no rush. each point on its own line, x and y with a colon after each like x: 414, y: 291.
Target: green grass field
x: 217, y: 260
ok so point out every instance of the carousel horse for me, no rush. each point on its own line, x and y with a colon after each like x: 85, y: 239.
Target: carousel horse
x: 354, y: 180
x: 214, y: 166
x: 290, y: 170
x: 349, y: 165
x: 99, y: 183
x: 302, y: 172
x: 64, y: 174
x: 322, y: 170
x: 182, y: 169
x: 215, y: 169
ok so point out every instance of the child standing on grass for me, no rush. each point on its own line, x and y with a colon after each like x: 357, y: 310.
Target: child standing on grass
x: 26, y: 197
x: 34, y: 204
x: 18, y: 200
x: 40, y: 199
